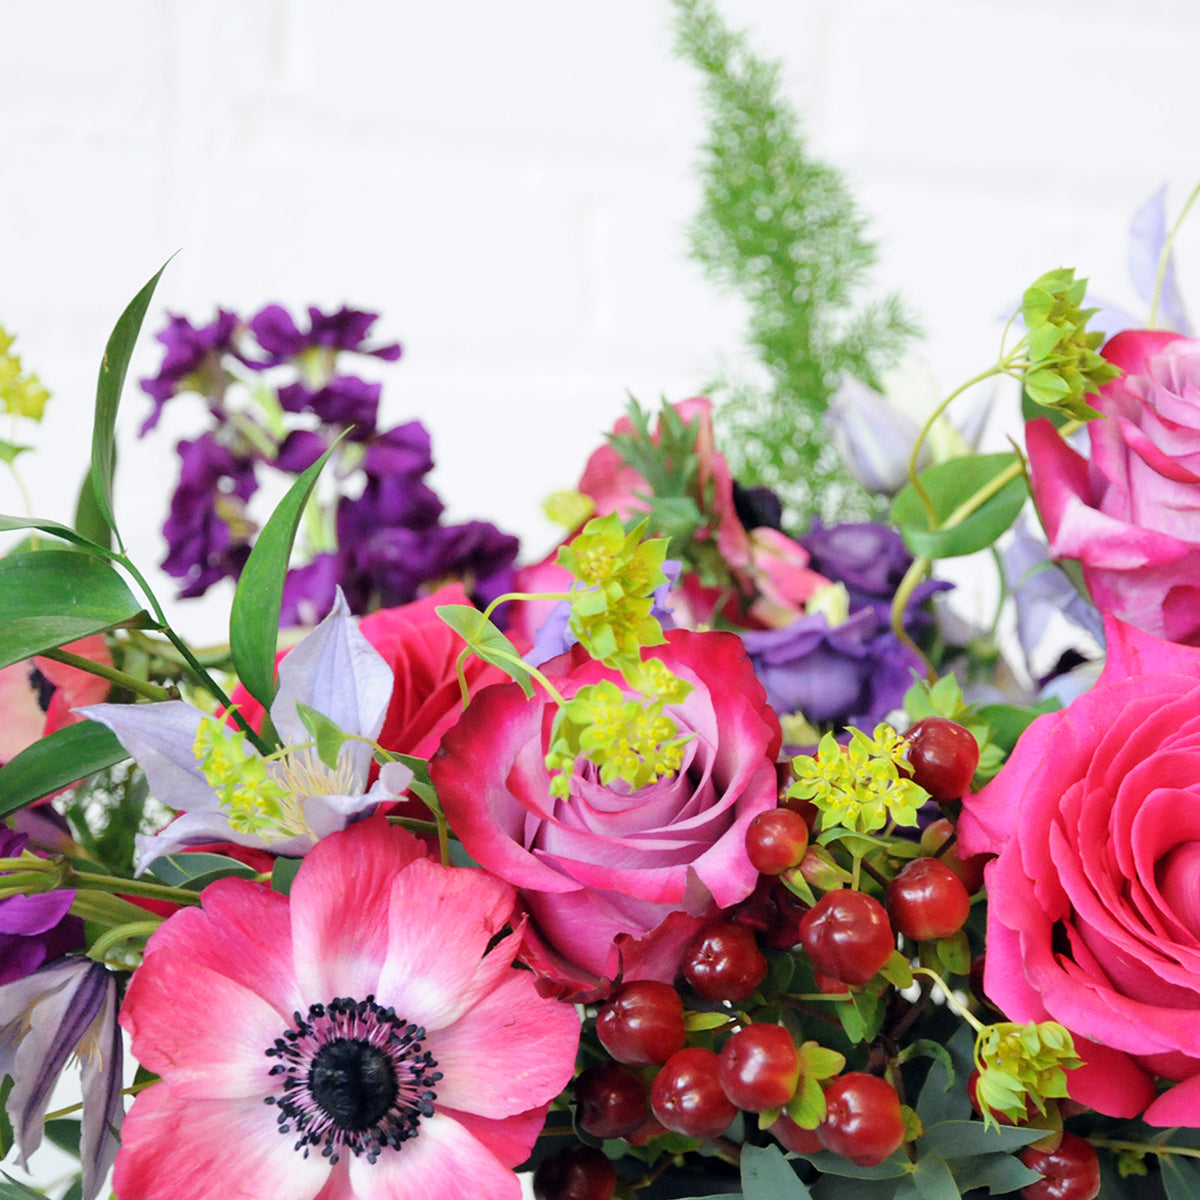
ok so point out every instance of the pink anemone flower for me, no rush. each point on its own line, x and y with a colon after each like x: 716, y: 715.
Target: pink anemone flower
x: 356, y: 1040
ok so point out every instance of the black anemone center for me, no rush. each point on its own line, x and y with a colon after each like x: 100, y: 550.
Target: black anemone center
x: 355, y: 1083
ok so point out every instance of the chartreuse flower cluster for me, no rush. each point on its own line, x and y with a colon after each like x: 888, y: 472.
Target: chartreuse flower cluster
x: 861, y: 787
x: 1019, y: 1064
x: 252, y: 800
x: 21, y: 392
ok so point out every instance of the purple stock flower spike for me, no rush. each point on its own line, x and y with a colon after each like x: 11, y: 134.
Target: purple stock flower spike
x: 33, y: 929
x: 347, y: 329
x: 192, y: 361
x: 69, y: 1007
x: 335, y: 671
x: 1147, y: 237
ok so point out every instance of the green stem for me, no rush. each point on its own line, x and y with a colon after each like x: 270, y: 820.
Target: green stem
x: 141, y: 686
x: 951, y: 1003
x: 28, y: 862
x: 1144, y: 1147
x: 1165, y: 256
x: 908, y: 585
x: 122, y: 933
x: 131, y: 887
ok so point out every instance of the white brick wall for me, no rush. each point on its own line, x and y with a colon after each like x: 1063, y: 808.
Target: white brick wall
x: 508, y: 184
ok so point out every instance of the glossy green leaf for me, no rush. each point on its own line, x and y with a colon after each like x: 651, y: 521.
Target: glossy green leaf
x: 56, y: 761
x: 51, y: 597
x: 767, y: 1175
x: 950, y: 485
x: 1006, y: 722
x: 89, y: 521
x: 195, y: 871
x: 254, y: 617
x: 113, y: 368
x: 486, y: 641
x: 12, y: 524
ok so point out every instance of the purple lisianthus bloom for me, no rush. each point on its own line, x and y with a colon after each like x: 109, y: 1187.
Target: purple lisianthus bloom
x: 34, y: 929
x: 870, y: 560
x: 853, y: 673
x: 345, y: 400
x: 283, y: 341
x: 207, y: 531
x: 67, y: 1008
x: 193, y: 355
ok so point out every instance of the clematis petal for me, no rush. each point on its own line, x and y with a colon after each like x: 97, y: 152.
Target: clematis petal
x: 210, y: 1150
x: 336, y: 671
x: 101, y: 1052
x: 444, y: 1162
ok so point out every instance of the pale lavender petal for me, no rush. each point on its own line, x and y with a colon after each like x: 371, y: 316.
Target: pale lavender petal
x: 210, y: 825
x: 337, y: 672
x: 161, y: 738
x: 1147, y: 237
x: 101, y: 1053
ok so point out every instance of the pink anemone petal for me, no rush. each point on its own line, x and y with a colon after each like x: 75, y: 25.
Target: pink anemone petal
x: 441, y: 921
x: 210, y: 1150
x: 242, y: 930
x: 443, y: 1162
x: 1109, y: 1081
x: 510, y: 1139
x: 511, y: 1052
x: 1179, y: 1105
x: 1132, y: 349
x: 343, y: 877
x: 206, y: 1035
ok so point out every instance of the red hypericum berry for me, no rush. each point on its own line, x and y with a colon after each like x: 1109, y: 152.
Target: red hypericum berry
x: 577, y: 1173
x: 969, y: 870
x: 723, y: 962
x: 687, y: 1096
x: 759, y: 1067
x: 847, y: 935
x: 862, y: 1119
x: 942, y: 756
x: 611, y: 1100
x: 776, y: 840
x: 642, y: 1023
x: 926, y: 900
x: 792, y: 1137
x: 1072, y: 1172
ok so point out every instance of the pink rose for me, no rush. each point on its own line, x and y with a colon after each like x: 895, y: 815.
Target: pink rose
x: 616, y: 882
x: 1094, y: 900
x: 1131, y: 514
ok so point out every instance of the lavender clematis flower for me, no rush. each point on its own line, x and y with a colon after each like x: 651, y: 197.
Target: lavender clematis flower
x: 335, y: 671
x: 33, y: 929
x: 68, y: 1007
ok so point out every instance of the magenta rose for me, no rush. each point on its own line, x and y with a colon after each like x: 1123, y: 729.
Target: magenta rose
x: 616, y: 882
x: 1131, y: 513
x: 1094, y: 900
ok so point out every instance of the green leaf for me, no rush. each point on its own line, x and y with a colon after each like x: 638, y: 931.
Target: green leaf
x: 807, y: 1106
x: 12, y: 524
x: 933, y: 1180
x: 834, y: 1164
x: 938, y: 1100
x: 196, y: 871
x: 14, y: 1190
x: 75, y: 1191
x: 693, y: 1022
x: 330, y: 738
x: 283, y: 874
x: 897, y: 970
x: 6, y: 1129
x: 89, y: 520
x: 767, y: 1175
x: 56, y: 761
x: 999, y: 1173
x: 421, y: 787
x: 1181, y: 1180
x: 254, y: 617
x: 1006, y: 722
x: 486, y: 641
x: 961, y: 1139
x: 951, y: 484
x: 64, y: 1133
x: 113, y: 367
x: 50, y: 597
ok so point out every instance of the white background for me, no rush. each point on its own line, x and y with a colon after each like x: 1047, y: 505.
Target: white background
x: 508, y: 184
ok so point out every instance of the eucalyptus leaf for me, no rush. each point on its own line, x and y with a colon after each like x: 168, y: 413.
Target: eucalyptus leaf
x: 51, y: 597
x: 834, y: 1164
x: 486, y: 641
x: 284, y: 873
x: 196, y: 871
x: 258, y: 600
x: 1181, y: 1178
x: 113, y: 368
x: 56, y: 761
x: 833, y: 1187
x: 950, y: 485
x: 939, y: 1100
x: 64, y: 1133
x: 961, y: 1139
x: 767, y: 1175
x: 999, y: 1173
x: 933, y: 1180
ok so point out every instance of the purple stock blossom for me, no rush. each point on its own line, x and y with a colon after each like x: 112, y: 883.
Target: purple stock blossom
x: 192, y: 361
x: 345, y: 400
x: 347, y: 329
x: 207, y: 531
x: 67, y: 1008
x: 854, y: 673
x: 34, y: 929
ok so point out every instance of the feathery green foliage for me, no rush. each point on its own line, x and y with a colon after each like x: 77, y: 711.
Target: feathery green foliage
x: 779, y: 227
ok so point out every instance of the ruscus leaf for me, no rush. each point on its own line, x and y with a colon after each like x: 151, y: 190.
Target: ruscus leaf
x: 56, y: 761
